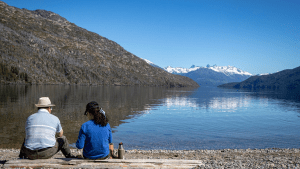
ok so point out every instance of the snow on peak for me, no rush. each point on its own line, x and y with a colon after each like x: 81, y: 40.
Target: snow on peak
x: 229, y: 70
x: 176, y: 69
x: 180, y: 69
x: 148, y: 61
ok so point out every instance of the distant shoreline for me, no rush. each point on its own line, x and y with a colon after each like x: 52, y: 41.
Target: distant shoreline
x: 232, y: 158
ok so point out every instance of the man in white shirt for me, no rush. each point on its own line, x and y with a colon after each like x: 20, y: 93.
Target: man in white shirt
x: 41, y: 129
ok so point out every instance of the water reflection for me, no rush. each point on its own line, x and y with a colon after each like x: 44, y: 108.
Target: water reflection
x: 180, y: 101
x: 210, y: 98
x: 139, y: 113
x: 284, y: 95
x: 213, y: 118
x: 229, y: 104
x: 119, y: 103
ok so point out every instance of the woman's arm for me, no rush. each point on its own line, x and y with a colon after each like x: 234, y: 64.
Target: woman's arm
x: 81, y: 139
x: 110, y: 134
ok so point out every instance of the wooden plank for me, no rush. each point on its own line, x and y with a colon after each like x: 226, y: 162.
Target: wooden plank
x: 111, y: 163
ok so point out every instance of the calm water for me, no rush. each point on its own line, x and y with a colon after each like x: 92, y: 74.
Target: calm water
x: 159, y: 118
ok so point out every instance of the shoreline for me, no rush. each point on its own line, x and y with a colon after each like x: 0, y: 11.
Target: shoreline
x: 224, y: 158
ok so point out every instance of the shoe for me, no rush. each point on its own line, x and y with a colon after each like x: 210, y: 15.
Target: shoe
x: 22, y: 156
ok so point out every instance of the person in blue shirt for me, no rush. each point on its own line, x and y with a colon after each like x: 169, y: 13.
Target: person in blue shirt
x: 95, y: 135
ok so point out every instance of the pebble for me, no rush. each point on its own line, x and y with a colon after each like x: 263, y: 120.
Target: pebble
x: 230, y: 158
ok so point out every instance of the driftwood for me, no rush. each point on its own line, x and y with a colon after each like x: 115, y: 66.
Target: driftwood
x: 111, y: 163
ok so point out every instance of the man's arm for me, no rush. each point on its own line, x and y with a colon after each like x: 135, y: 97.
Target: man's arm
x: 60, y: 133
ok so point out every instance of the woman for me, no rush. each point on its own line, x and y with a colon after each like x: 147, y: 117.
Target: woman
x: 95, y: 135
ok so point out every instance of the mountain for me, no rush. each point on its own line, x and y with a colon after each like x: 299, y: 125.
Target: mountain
x: 287, y: 79
x: 211, y: 75
x: 41, y: 47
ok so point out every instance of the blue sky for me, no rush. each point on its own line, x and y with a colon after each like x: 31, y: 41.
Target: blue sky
x: 257, y: 36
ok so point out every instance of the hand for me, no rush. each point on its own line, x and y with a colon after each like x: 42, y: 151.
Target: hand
x: 60, y: 134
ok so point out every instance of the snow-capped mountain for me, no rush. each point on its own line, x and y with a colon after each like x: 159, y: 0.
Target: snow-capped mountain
x: 227, y: 70
x: 209, y: 75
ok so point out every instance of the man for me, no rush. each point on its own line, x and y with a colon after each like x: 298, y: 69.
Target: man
x: 41, y: 128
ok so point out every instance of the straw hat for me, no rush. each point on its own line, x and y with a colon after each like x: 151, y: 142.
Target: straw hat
x: 44, y: 102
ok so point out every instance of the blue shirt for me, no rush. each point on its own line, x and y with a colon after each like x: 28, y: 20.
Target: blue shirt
x: 40, y: 129
x: 94, y: 139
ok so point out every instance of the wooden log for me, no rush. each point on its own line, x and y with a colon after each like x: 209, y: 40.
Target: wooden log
x: 110, y: 163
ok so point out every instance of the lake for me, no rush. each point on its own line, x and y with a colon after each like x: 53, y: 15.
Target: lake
x: 162, y: 118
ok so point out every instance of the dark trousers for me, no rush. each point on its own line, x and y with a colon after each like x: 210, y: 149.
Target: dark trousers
x: 103, y: 158
x: 60, y: 145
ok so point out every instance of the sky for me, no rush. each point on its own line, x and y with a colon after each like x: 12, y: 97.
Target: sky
x: 257, y: 36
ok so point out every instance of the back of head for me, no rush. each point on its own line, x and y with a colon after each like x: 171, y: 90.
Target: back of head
x: 99, y: 116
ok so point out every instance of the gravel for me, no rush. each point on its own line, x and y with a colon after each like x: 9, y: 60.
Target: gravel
x: 225, y: 158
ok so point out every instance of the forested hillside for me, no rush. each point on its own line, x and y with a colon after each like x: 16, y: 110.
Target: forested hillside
x: 284, y: 80
x: 41, y: 47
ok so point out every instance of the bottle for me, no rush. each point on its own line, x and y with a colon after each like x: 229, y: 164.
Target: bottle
x: 121, y: 151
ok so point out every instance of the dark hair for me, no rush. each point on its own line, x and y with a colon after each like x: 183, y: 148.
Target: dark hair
x: 94, y: 109
x: 43, y: 108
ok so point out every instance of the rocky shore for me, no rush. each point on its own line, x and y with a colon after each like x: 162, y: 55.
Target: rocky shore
x: 226, y: 158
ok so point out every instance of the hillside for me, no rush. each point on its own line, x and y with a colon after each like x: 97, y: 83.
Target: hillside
x: 41, y: 47
x: 286, y: 79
